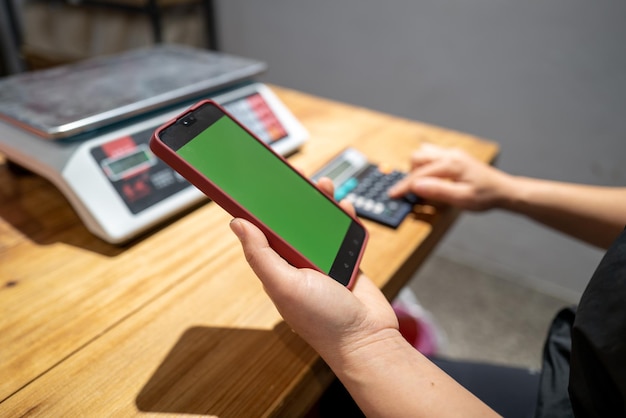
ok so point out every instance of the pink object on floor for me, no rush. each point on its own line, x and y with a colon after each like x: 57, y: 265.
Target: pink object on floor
x: 416, y: 325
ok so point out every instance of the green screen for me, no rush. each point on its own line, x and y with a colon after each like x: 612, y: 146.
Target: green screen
x: 243, y: 168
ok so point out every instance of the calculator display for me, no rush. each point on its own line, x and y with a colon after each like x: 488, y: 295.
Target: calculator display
x: 339, y: 169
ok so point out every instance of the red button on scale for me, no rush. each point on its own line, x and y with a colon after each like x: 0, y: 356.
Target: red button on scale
x: 119, y: 146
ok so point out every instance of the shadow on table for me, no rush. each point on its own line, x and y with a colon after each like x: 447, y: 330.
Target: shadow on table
x: 41, y: 213
x: 230, y: 372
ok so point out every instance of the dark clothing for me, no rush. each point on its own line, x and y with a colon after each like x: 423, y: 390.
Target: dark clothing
x: 584, y: 359
x: 553, y: 400
x: 510, y: 391
x: 584, y: 370
x: 597, y: 384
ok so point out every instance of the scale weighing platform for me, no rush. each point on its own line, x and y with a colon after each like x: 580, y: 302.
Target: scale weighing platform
x: 117, y: 186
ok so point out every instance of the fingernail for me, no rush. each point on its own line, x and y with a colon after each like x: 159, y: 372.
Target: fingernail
x: 237, y: 227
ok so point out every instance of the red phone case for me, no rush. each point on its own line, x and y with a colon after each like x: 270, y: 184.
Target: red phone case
x: 199, y: 180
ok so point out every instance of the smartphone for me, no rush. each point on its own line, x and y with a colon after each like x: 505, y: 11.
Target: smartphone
x: 242, y: 174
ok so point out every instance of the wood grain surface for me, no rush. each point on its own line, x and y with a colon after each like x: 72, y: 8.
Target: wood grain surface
x: 175, y: 323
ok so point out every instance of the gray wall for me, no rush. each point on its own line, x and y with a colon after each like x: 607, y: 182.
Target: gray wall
x: 545, y: 79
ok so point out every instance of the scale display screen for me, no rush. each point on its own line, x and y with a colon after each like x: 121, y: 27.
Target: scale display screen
x: 135, y: 161
x: 140, y: 179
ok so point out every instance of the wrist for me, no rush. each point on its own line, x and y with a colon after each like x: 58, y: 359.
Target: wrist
x: 508, y: 191
x: 383, y: 374
x: 516, y: 193
x: 375, y: 350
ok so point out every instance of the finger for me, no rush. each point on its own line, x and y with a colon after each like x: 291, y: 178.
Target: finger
x: 439, y: 168
x: 365, y: 290
x: 326, y: 185
x: 443, y: 168
x: 348, y: 207
x: 428, y: 160
x: 442, y: 190
x: 401, y: 188
x: 426, y: 154
x: 271, y: 268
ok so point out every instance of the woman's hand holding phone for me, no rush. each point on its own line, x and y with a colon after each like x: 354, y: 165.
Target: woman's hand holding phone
x: 337, y: 310
x: 356, y: 333
x: 330, y: 317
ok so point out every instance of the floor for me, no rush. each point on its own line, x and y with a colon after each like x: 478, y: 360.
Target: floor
x: 483, y: 317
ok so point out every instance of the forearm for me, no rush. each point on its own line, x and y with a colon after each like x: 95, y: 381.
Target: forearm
x: 593, y: 214
x: 387, y: 377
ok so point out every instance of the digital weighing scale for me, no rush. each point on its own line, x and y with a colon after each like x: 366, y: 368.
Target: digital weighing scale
x: 69, y: 100
x: 117, y: 186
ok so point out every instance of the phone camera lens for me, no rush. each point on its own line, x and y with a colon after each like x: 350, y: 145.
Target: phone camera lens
x: 188, y: 120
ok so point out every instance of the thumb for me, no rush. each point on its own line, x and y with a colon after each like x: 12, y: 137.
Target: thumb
x: 264, y: 261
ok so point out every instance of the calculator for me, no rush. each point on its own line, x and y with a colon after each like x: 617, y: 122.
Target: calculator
x: 365, y: 185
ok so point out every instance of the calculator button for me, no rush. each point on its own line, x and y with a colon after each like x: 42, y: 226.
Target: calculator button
x: 370, y: 197
x: 367, y: 191
x: 346, y: 188
x: 411, y: 198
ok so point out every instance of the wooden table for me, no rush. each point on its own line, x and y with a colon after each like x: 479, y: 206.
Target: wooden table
x: 175, y: 323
